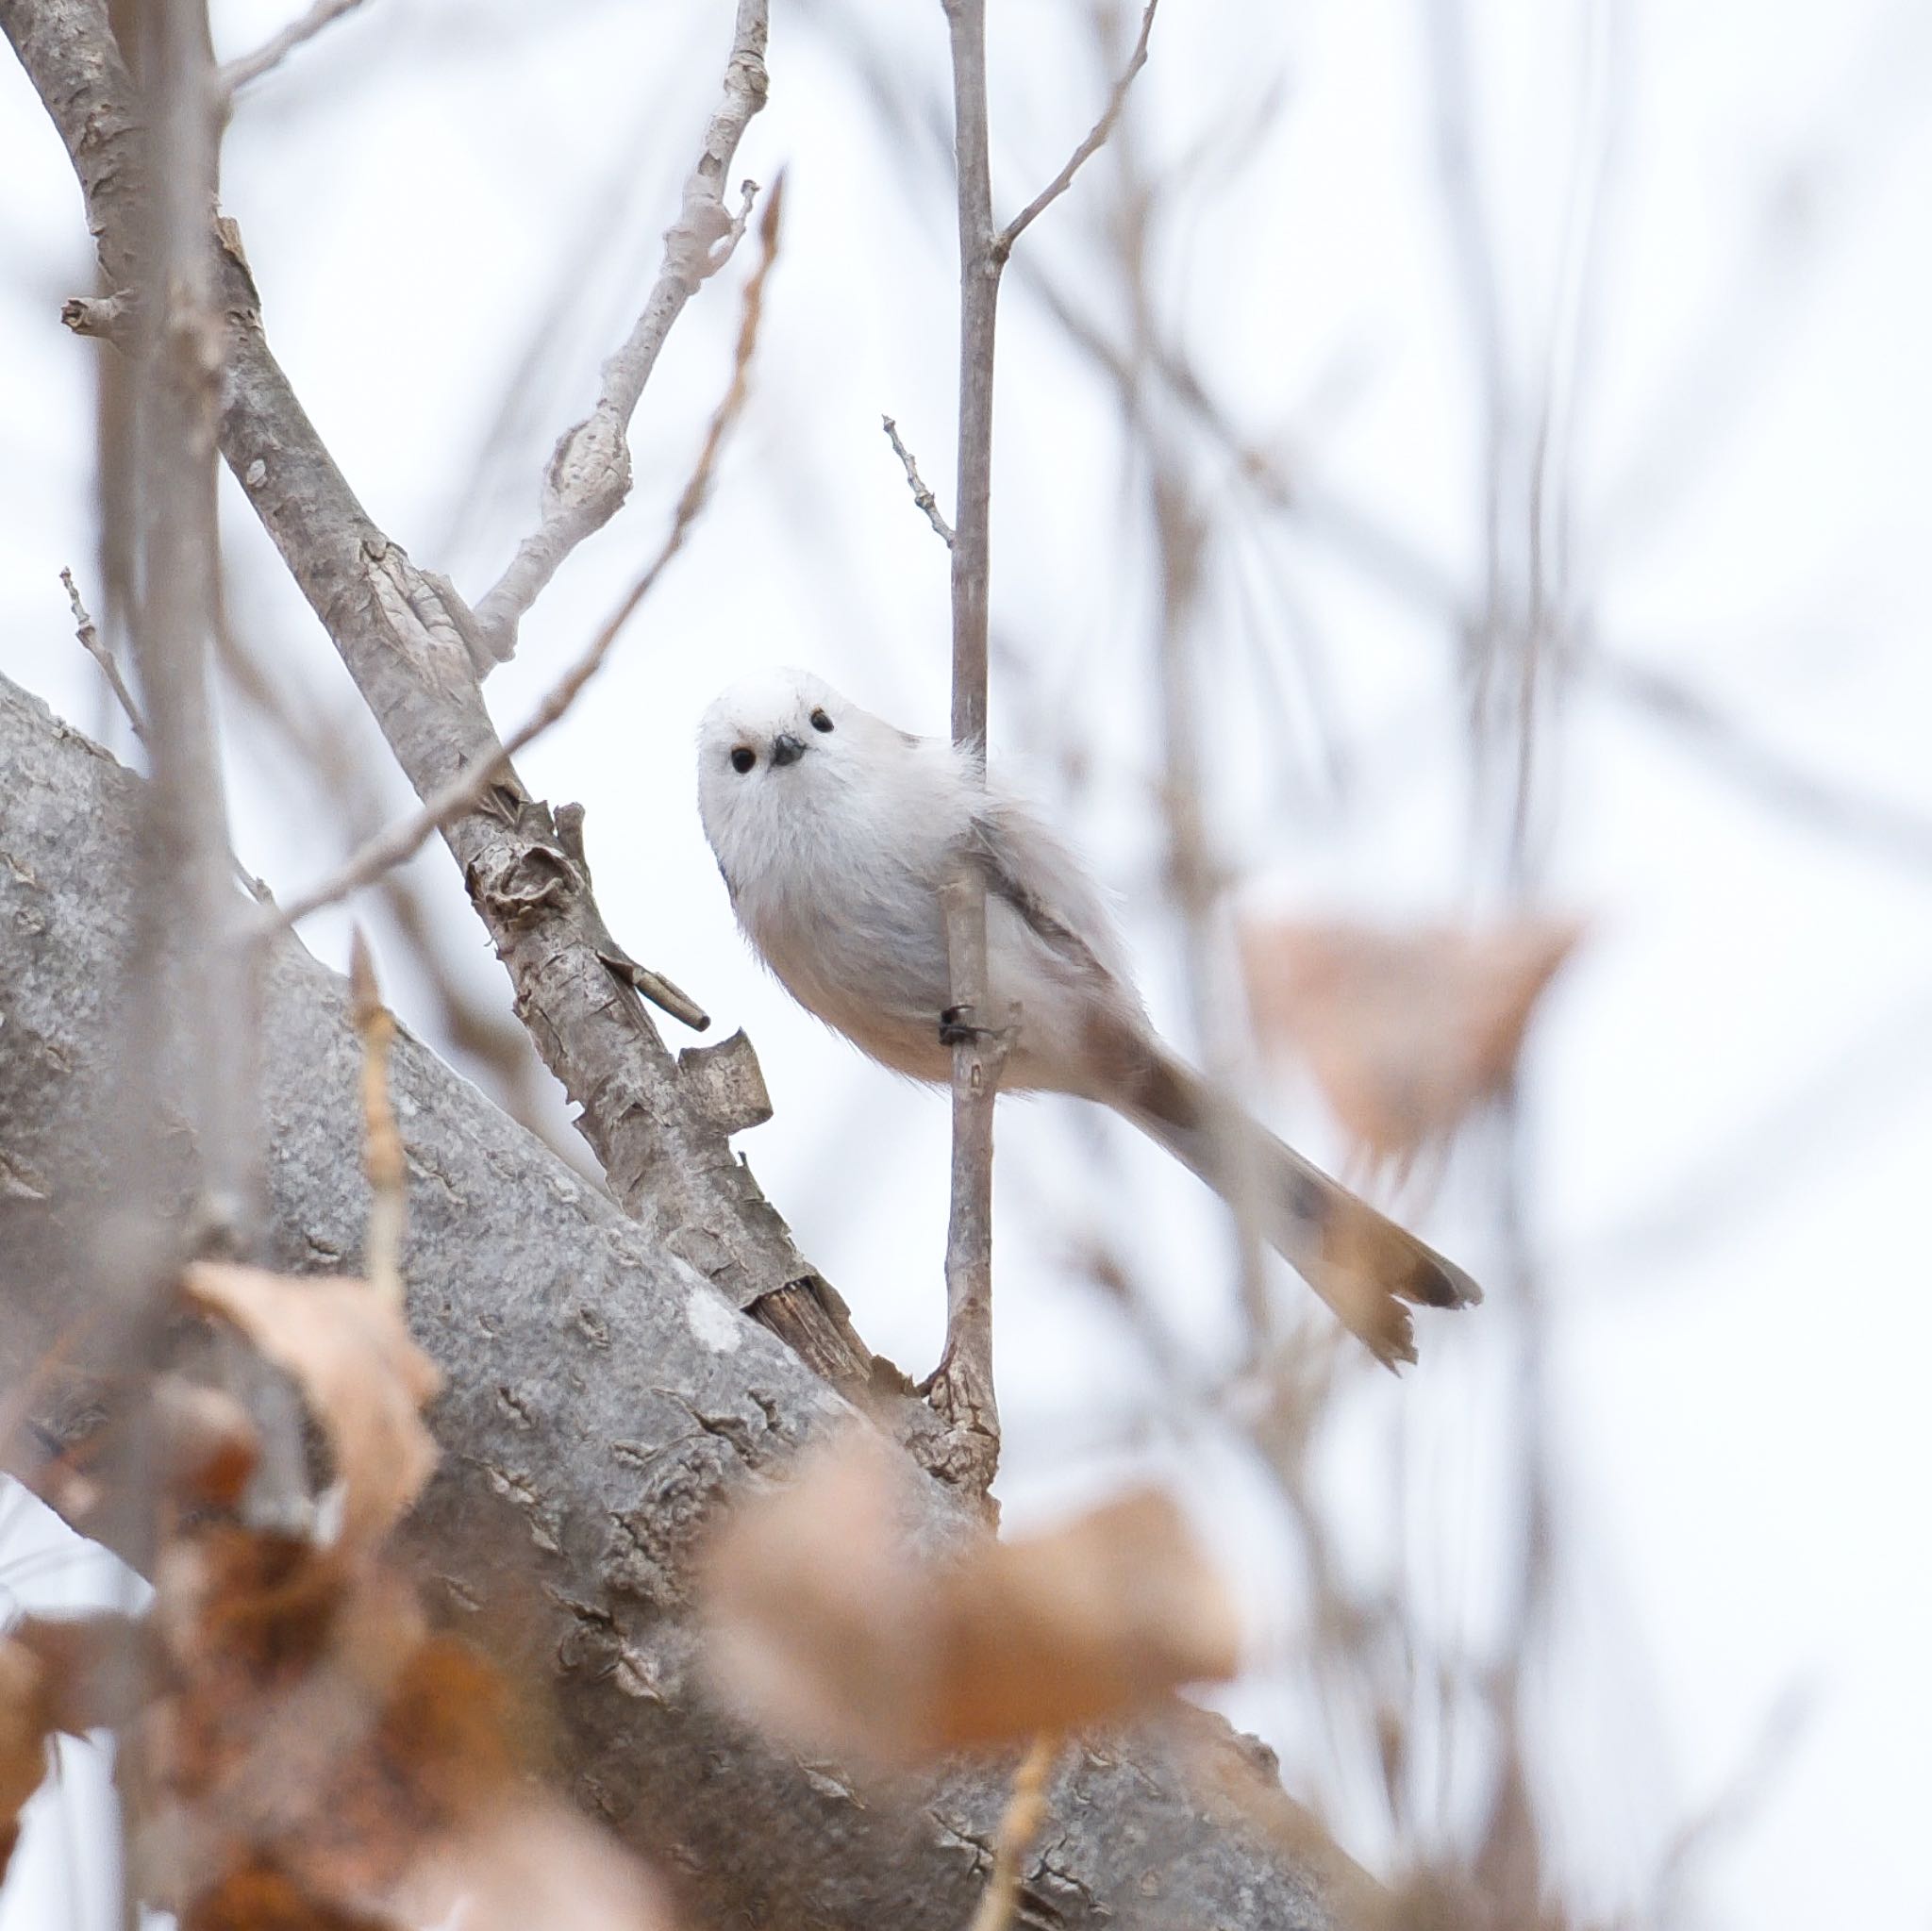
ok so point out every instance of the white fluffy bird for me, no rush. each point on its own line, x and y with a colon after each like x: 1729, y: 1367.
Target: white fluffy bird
x: 835, y: 833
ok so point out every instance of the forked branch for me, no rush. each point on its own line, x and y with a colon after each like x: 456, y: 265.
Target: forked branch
x: 1095, y: 139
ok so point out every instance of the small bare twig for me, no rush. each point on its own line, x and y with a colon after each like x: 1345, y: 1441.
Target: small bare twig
x: 92, y: 642
x: 589, y: 473
x: 922, y: 491
x: 462, y: 793
x: 382, y: 1145
x: 1096, y: 141
x: 89, y: 639
x: 1020, y: 1824
x: 240, y: 72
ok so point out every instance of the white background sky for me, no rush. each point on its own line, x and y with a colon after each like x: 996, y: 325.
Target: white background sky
x: 1730, y: 1093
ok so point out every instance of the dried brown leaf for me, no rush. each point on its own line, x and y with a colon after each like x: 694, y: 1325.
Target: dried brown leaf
x: 835, y: 1631
x: 1405, y: 1033
x: 23, y: 1731
x: 318, y: 1743
x: 256, y: 1896
x: 1092, y: 1620
x: 98, y: 1670
x: 814, y: 1610
x: 207, y: 1446
x: 364, y: 1379
x: 66, y: 1674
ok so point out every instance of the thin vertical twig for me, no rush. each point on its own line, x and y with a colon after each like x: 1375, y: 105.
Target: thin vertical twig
x: 191, y: 997
x: 962, y: 1391
x: 190, y: 905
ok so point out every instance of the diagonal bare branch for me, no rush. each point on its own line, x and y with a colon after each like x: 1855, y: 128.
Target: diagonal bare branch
x: 89, y: 636
x: 922, y: 491
x: 401, y: 633
x: 589, y: 473
x: 462, y: 793
x: 1096, y: 141
x: 249, y: 67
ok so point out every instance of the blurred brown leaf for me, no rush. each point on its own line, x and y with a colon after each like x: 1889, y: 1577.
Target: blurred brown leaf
x: 60, y: 1673
x: 1405, y: 1033
x: 98, y: 1670
x: 829, y: 1627
x: 533, y: 1864
x: 257, y: 1897
x: 322, y: 1761
x: 326, y: 1761
x: 207, y: 1446
x: 23, y: 1730
x: 283, y: 1660
x: 364, y: 1379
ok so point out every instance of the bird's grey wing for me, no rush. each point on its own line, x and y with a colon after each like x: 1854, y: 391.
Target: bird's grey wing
x: 1040, y: 876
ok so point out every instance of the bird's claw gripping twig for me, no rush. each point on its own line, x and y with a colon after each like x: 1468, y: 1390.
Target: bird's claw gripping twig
x: 957, y: 1029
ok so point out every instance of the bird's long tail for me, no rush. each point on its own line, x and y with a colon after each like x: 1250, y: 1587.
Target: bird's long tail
x: 1366, y: 1268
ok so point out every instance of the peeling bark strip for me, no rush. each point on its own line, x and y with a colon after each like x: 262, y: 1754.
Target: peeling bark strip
x: 406, y: 638
x: 600, y: 1397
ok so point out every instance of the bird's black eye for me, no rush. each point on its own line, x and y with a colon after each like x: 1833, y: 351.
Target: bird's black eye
x: 820, y: 722
x: 744, y: 757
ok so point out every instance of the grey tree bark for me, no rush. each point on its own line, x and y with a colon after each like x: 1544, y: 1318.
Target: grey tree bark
x: 602, y: 1397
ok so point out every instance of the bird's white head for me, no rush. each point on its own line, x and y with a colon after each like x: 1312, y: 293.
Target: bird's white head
x: 776, y: 753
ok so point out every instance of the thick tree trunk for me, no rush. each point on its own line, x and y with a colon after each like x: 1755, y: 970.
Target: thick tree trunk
x: 602, y: 1395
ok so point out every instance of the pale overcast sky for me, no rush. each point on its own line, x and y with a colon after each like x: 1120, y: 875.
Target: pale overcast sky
x: 1709, y: 223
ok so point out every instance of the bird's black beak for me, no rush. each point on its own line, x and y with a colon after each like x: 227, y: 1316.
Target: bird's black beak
x: 786, y: 749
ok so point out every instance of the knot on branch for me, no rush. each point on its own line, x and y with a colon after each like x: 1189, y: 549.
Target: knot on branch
x: 725, y: 1084
x: 746, y: 83
x: 536, y: 881
x: 589, y: 475
x: 705, y: 235
x: 434, y: 629
x: 108, y: 318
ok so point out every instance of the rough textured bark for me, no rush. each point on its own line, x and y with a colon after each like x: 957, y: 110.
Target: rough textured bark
x: 602, y: 1396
